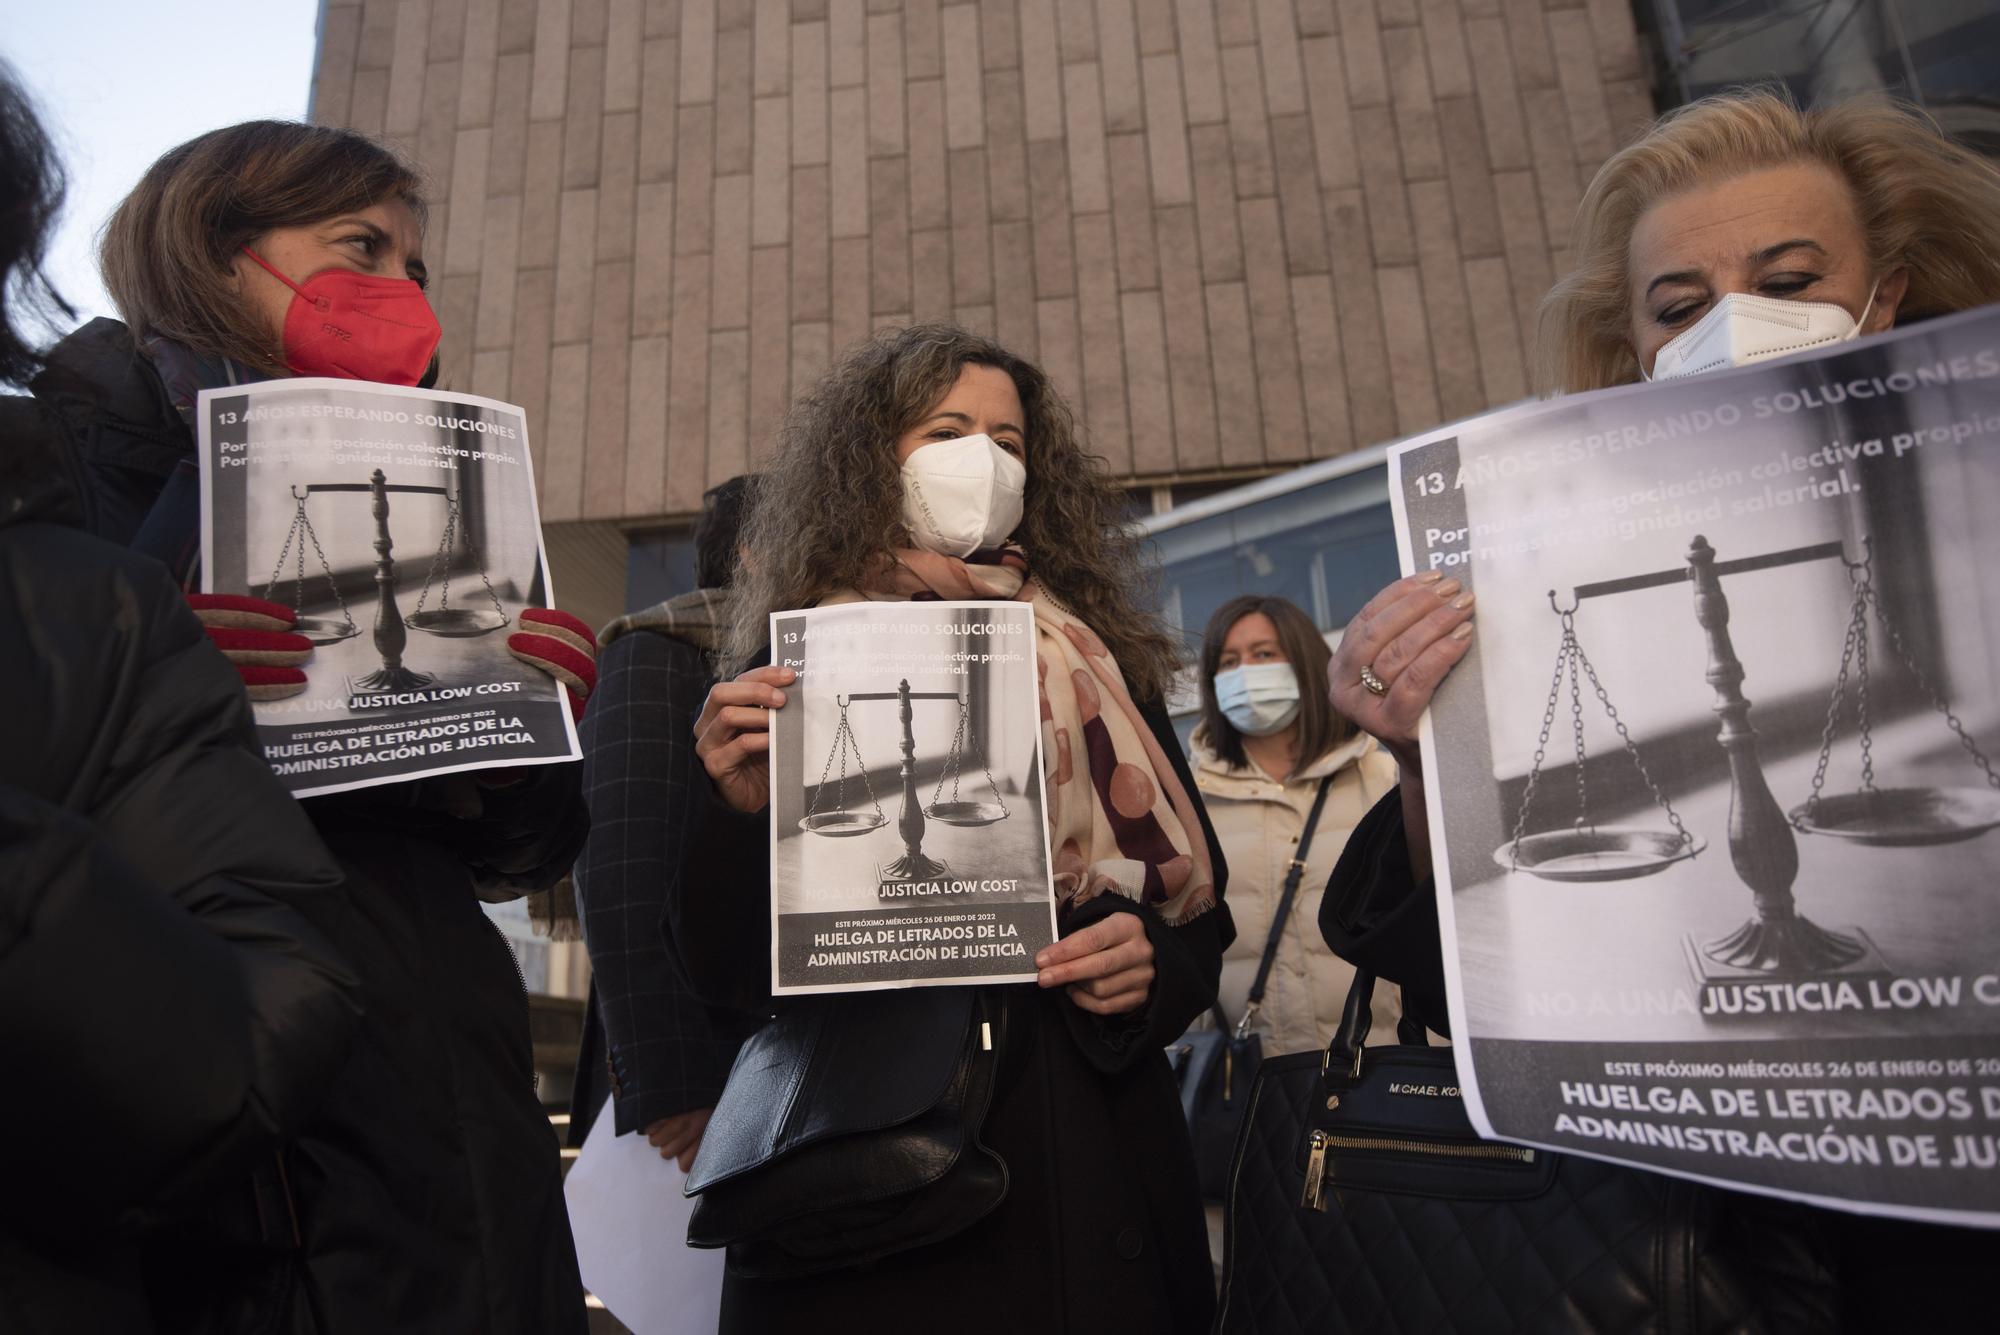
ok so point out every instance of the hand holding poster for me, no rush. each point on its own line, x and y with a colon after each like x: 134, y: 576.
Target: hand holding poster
x: 1710, y: 798
x: 908, y: 841
x: 400, y: 525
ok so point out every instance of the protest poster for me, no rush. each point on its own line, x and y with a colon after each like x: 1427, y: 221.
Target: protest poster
x: 1710, y: 797
x: 400, y: 524
x: 908, y: 842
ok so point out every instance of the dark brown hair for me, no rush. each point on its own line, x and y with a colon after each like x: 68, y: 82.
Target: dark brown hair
x: 169, y: 248
x: 31, y: 193
x: 831, y: 501
x: 1320, y: 729
x: 718, y: 530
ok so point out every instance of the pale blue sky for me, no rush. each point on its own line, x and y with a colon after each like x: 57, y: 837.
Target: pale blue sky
x: 120, y: 82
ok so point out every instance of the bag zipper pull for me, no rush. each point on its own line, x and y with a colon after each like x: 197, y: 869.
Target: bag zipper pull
x: 1314, y: 1196
x: 986, y: 1035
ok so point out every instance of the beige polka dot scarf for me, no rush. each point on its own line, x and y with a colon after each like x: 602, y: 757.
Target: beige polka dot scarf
x: 1120, y: 820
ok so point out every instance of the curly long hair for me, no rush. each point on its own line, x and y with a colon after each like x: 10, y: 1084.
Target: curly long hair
x: 830, y: 504
x: 1925, y: 203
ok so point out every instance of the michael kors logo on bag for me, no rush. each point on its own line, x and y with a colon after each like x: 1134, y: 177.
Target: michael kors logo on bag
x: 1424, y: 1091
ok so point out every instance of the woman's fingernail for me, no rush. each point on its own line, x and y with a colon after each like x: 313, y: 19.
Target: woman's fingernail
x: 1464, y: 632
x: 1462, y: 602
x: 1430, y: 577
x: 777, y: 699
x: 1448, y: 588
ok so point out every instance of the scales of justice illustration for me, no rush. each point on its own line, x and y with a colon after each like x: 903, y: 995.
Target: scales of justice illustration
x: 444, y: 620
x: 842, y: 821
x: 1779, y: 943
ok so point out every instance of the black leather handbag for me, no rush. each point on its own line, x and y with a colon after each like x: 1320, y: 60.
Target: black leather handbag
x: 1361, y: 1200
x: 1216, y: 1066
x: 849, y: 1131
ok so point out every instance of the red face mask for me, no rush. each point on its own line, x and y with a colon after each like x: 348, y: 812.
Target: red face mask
x: 358, y: 327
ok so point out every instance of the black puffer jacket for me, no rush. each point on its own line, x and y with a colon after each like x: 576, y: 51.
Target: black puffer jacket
x: 428, y: 1190
x: 164, y: 1019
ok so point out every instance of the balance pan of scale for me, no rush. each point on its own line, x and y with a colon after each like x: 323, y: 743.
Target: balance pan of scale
x: 841, y: 821
x: 1779, y: 943
x: 444, y: 620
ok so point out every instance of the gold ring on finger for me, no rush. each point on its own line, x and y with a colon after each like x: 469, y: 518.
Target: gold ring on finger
x: 1374, y: 684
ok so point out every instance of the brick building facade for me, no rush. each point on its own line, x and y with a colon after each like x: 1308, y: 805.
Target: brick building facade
x: 1242, y: 234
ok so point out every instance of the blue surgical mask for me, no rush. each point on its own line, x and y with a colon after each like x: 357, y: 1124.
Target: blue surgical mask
x: 1258, y: 699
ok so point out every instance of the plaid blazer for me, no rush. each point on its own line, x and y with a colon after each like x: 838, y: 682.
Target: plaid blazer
x: 666, y: 1051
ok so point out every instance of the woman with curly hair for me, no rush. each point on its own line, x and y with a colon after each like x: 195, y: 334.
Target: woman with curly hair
x: 1100, y: 1225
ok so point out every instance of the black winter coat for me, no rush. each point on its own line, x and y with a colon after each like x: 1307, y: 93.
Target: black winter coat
x: 1893, y: 1275
x: 164, y: 1019
x: 428, y: 1191
x: 1101, y: 1232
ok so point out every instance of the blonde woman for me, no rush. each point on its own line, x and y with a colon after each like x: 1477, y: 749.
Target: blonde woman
x: 1746, y: 193
x: 1864, y: 207
x: 1100, y: 1225
x: 1686, y: 241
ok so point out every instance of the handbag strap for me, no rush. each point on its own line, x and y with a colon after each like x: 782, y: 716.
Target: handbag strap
x: 1357, y: 1016
x: 1293, y: 875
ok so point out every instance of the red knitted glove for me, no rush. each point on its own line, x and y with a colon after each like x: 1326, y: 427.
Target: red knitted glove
x: 561, y: 646
x: 256, y: 637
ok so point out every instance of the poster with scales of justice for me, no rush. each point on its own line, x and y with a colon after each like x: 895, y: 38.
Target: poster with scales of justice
x: 401, y: 527
x: 909, y: 844
x: 1712, y: 798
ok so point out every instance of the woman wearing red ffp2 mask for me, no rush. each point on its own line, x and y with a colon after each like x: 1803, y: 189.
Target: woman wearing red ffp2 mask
x: 426, y: 1190
x: 343, y: 323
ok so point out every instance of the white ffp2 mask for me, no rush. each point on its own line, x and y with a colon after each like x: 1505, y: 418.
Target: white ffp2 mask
x: 962, y: 495
x: 1741, y: 328
x: 1258, y: 699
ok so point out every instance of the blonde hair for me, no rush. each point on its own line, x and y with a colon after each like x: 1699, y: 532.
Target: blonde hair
x: 1925, y: 203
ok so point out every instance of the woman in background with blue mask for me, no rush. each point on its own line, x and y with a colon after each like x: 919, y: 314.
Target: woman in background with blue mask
x: 1277, y: 769
x: 1268, y: 741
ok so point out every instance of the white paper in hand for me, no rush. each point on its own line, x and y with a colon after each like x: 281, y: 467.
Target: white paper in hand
x: 630, y: 1222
